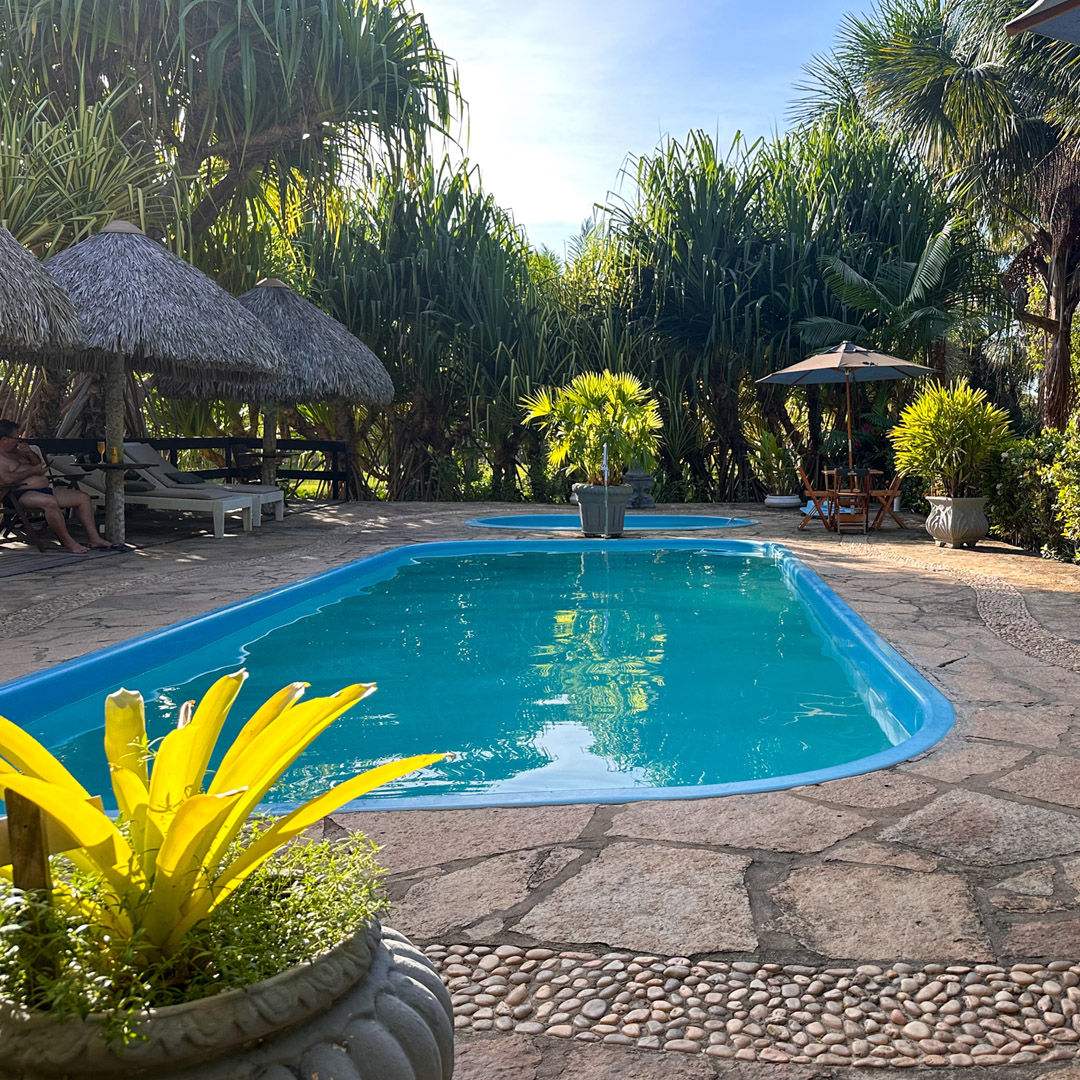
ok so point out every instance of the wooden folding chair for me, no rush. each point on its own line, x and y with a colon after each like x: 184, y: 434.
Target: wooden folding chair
x: 824, y: 503
x: 885, y: 497
x: 15, y: 521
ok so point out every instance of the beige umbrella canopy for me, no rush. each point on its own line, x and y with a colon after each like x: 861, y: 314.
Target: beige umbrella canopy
x: 325, y: 363
x: 847, y: 363
x: 37, y: 319
x: 145, y: 309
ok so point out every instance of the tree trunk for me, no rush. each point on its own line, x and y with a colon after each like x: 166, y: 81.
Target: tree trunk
x: 938, y: 360
x: 1057, y: 373
x: 44, y: 420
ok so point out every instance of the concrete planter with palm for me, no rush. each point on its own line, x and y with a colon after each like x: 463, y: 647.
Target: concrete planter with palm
x: 948, y: 436
x: 596, y: 427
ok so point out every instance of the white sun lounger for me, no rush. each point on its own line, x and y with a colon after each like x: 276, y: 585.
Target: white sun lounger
x: 161, y: 473
x: 198, y: 502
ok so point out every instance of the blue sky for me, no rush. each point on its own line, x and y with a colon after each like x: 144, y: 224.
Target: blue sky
x: 561, y: 91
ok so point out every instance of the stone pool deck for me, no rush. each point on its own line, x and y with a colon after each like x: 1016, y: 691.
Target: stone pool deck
x: 927, y: 915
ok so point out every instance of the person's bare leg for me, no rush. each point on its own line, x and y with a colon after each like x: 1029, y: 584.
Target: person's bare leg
x: 84, y: 510
x: 54, y: 517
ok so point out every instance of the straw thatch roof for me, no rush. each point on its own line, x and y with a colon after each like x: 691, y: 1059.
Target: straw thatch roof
x: 325, y: 362
x: 138, y: 299
x: 37, y: 319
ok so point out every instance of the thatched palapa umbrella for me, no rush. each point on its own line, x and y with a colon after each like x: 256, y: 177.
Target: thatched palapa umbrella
x: 37, y: 319
x: 325, y: 362
x: 145, y: 309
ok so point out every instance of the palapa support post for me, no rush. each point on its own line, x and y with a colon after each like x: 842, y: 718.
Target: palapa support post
x: 115, y: 378
x: 29, y: 848
x: 269, y: 451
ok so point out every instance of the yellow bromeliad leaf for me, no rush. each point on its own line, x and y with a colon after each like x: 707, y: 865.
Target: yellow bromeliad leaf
x: 179, y: 862
x: 133, y: 800
x: 265, y: 715
x: 108, y: 854
x: 205, y: 900
x: 181, y: 760
x: 27, y: 755
x: 281, y: 744
x: 125, y: 733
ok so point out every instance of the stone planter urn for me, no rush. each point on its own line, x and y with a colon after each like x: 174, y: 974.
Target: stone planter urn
x: 642, y: 483
x: 373, y: 1006
x: 956, y: 522
x: 783, y: 502
x: 603, y: 509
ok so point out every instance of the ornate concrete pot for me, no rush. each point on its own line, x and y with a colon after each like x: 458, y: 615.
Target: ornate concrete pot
x: 372, y: 1006
x: 783, y: 502
x: 603, y: 515
x: 956, y: 522
x: 642, y: 483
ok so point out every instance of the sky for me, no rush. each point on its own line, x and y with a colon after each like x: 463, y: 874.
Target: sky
x: 560, y: 92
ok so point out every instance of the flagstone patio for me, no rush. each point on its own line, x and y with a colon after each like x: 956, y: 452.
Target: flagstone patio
x: 950, y: 878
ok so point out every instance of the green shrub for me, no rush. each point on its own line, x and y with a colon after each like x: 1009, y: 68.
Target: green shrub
x: 1035, y: 500
x: 774, y: 464
x: 949, y: 435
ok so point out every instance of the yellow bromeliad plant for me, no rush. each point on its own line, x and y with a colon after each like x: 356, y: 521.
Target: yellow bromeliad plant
x: 171, y: 858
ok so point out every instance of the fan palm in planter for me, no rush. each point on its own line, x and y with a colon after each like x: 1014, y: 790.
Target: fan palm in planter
x: 948, y: 436
x: 166, y: 942
x: 597, y: 427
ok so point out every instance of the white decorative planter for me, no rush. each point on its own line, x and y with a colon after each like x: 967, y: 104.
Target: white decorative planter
x: 783, y: 502
x: 372, y: 1006
x: 603, y: 509
x: 956, y: 522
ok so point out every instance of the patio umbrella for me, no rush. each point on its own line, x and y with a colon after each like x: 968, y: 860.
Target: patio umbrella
x: 1053, y: 18
x: 324, y: 362
x: 145, y: 309
x: 847, y: 363
x: 37, y: 319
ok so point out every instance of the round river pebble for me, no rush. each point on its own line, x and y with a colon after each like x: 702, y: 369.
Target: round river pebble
x: 867, y: 1016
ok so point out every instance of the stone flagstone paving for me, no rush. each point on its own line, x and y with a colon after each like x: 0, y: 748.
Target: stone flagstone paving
x: 924, y: 916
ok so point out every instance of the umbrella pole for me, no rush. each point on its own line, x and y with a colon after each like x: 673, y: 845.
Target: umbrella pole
x: 269, y: 452
x: 114, y: 448
x: 850, y: 454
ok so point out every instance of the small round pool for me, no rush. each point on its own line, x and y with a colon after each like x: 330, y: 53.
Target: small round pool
x: 634, y: 522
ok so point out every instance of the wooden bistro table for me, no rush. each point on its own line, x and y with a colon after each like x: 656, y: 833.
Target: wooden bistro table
x: 852, y: 487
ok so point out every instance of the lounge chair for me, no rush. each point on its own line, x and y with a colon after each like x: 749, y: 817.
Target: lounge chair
x: 169, y: 481
x: 16, y: 521
x: 92, y: 481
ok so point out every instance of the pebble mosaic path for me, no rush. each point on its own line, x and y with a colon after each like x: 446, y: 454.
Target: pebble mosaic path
x: 926, y: 916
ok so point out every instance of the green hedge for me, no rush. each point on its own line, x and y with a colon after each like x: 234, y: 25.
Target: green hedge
x: 1035, y: 497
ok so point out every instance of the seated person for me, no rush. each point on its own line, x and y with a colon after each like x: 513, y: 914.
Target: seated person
x: 23, y: 472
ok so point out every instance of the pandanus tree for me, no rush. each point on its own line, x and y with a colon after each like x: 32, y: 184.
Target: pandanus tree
x: 994, y: 115
x: 232, y: 95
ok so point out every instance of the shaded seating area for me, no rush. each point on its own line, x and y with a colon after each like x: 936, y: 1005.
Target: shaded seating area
x: 17, y: 522
x: 848, y: 498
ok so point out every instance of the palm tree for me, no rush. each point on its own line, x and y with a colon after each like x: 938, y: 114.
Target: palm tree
x: 997, y: 117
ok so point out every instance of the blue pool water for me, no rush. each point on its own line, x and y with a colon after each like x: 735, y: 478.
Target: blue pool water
x: 554, y: 671
x: 634, y: 522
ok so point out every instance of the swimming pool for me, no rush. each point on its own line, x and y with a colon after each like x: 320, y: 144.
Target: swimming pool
x: 556, y: 671
x: 635, y: 522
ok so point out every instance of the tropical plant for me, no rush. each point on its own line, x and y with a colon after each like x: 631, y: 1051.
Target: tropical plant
x: 598, y: 420
x: 239, y: 96
x: 949, y: 436
x: 774, y: 464
x: 996, y: 117
x: 170, y: 861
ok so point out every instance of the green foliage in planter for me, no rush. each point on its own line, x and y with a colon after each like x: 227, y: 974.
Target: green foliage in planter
x: 597, y: 410
x: 301, y: 903
x: 949, y: 436
x: 774, y: 464
x: 1035, y: 500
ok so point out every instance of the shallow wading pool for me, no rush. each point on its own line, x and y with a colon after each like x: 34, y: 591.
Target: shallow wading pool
x: 634, y: 522
x: 556, y: 671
